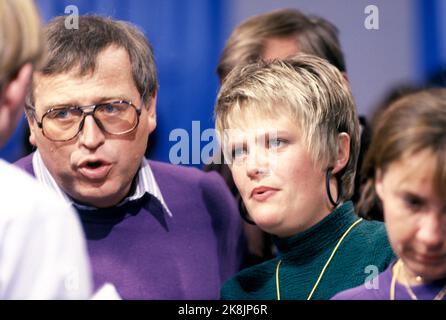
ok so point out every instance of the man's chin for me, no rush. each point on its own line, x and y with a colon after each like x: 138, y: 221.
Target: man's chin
x: 98, y: 198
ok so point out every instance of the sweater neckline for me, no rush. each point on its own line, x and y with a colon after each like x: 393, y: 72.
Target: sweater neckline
x: 421, y: 290
x: 112, y: 215
x: 310, y: 243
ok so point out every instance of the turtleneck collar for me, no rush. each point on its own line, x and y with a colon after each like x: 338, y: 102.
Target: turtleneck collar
x: 311, y: 242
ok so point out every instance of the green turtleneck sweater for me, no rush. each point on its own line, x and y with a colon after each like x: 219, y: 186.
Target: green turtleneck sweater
x: 304, y: 255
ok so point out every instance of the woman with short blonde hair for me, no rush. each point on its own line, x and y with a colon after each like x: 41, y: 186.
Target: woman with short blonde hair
x: 290, y: 134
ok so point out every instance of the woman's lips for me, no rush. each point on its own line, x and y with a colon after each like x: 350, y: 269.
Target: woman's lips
x: 430, y: 259
x: 95, y: 173
x: 262, y: 194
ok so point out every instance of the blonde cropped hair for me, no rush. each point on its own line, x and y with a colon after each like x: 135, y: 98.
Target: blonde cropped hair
x: 21, y: 38
x: 306, y: 88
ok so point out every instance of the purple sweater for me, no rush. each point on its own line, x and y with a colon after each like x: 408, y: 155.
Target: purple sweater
x: 147, y: 254
x: 382, y: 290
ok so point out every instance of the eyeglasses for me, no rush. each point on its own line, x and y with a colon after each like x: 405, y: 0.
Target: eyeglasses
x: 64, y: 123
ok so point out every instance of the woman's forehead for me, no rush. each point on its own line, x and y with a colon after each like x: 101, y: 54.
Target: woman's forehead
x: 255, y: 114
x: 413, y: 170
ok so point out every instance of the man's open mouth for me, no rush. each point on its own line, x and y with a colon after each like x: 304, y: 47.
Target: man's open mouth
x: 95, y: 169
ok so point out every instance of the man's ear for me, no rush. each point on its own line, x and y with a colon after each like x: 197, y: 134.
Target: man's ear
x: 32, y: 128
x: 151, y: 112
x: 343, y: 152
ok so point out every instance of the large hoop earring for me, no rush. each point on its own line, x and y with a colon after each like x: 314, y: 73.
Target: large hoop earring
x: 244, y: 212
x: 327, y: 186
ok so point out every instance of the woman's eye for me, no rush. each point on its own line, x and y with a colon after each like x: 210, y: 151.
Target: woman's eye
x: 413, y: 203
x: 238, y: 152
x: 276, y: 143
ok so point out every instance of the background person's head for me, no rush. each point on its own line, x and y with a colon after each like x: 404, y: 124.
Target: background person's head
x: 101, y: 62
x: 280, y: 34
x: 300, y: 114
x: 407, y: 166
x: 21, y: 47
x: 374, y: 211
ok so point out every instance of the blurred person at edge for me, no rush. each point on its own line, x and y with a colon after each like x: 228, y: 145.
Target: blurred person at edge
x: 407, y: 166
x: 43, y: 252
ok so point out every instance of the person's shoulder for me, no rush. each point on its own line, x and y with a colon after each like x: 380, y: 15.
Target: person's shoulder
x: 25, y: 163
x: 371, y: 237
x: 375, y: 289
x: 244, y: 284
x: 232, y: 289
x: 174, y: 171
x: 179, y: 174
x: 24, y: 197
x: 206, y: 188
x: 15, y: 181
x: 373, y: 231
x: 358, y: 293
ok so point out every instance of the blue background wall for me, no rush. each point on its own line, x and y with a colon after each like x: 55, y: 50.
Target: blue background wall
x: 187, y: 40
x: 188, y: 36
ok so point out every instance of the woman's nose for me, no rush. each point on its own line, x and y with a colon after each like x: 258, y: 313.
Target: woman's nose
x: 431, y: 232
x: 257, y: 163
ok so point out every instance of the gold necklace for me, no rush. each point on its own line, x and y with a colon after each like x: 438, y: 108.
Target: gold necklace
x: 323, y: 269
x: 409, y: 290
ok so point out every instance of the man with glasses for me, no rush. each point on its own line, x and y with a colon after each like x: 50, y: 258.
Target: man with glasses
x: 154, y: 230
x: 65, y: 122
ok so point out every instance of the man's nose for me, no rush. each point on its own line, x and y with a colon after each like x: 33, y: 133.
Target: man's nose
x: 91, y: 135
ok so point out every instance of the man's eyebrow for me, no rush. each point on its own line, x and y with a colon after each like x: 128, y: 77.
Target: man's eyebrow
x: 53, y: 106
x: 113, y: 98
x: 96, y: 101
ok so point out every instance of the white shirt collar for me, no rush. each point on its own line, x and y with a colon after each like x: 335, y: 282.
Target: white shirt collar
x: 146, y: 183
